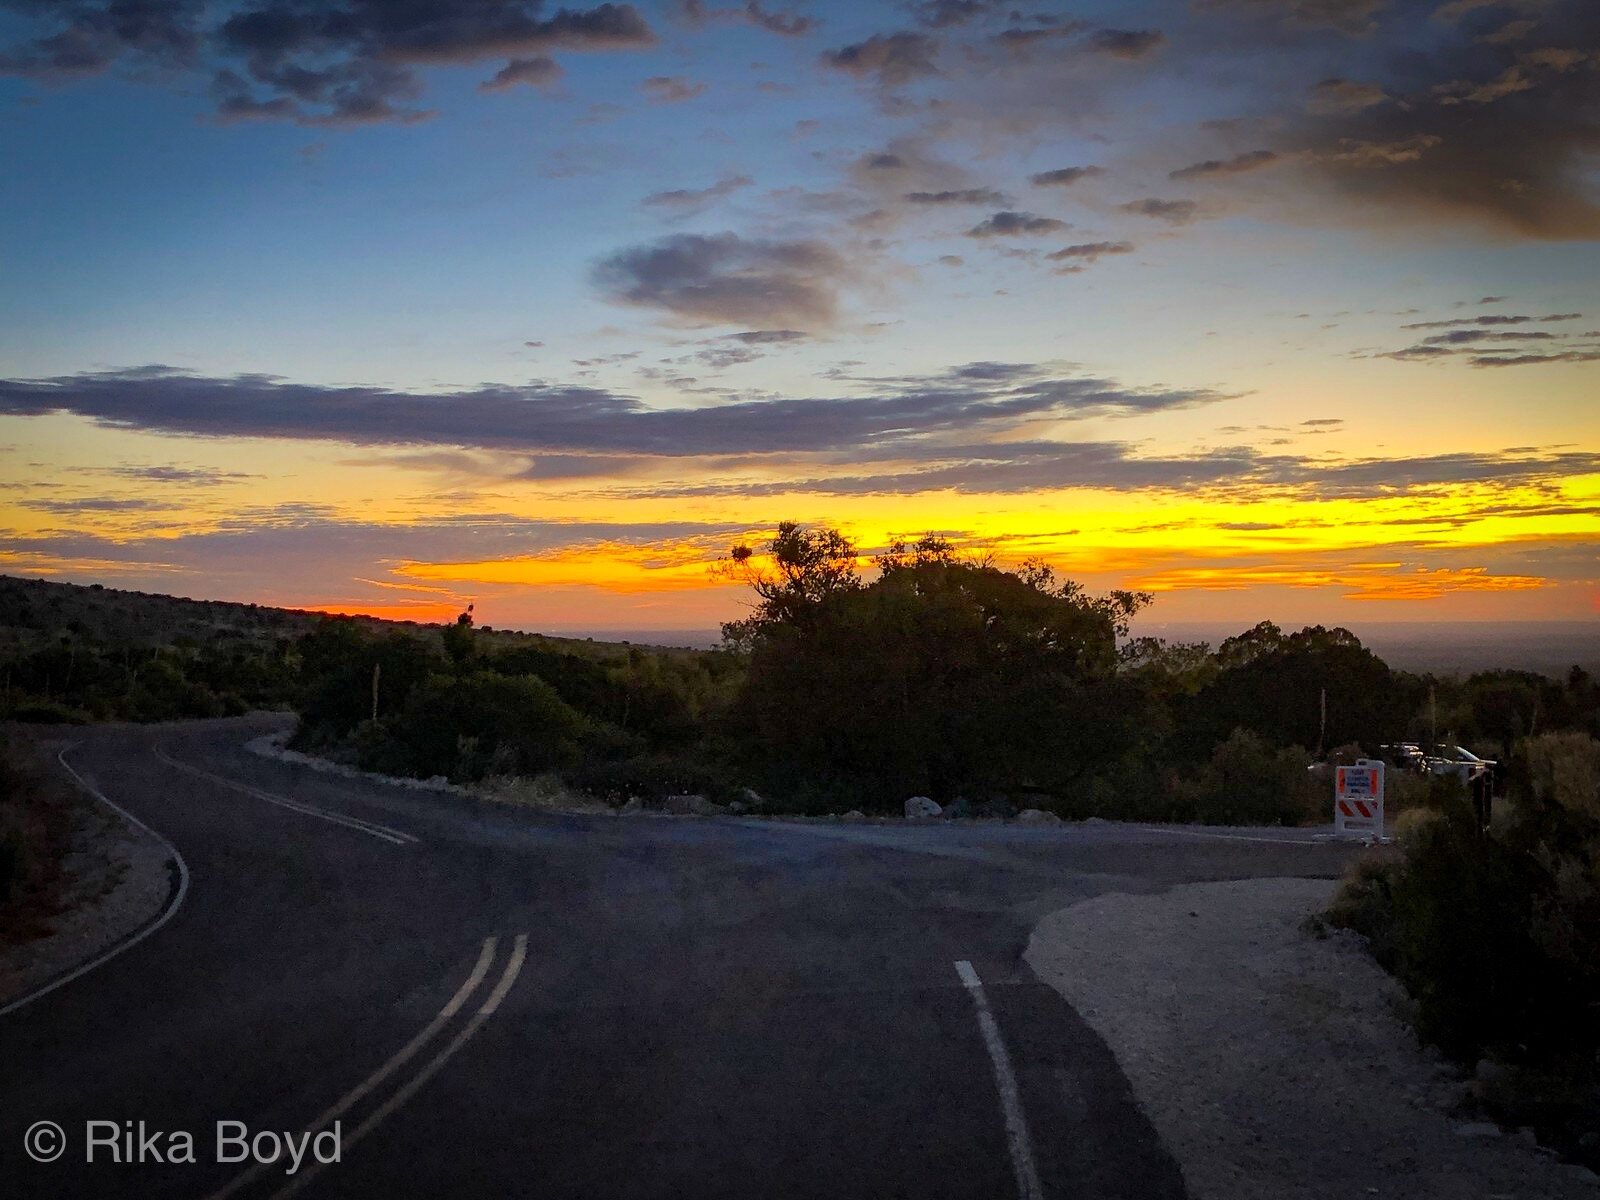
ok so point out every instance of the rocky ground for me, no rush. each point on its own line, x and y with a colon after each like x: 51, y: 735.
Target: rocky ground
x: 1275, y: 1064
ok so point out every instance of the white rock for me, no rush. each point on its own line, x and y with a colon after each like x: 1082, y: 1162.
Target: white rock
x: 1037, y: 816
x: 921, y: 806
x: 855, y: 814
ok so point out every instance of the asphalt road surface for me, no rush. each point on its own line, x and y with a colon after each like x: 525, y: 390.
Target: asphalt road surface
x: 494, y: 1002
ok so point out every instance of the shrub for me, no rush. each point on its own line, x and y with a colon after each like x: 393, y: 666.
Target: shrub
x: 1497, y: 934
x: 1248, y: 782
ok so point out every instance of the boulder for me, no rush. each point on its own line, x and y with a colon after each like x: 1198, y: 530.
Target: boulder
x: 701, y: 807
x: 634, y: 805
x: 1037, y: 816
x: 752, y: 799
x: 855, y: 814
x: 737, y: 807
x: 921, y: 806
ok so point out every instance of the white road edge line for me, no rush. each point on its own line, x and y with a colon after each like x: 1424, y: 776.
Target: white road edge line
x: 1226, y: 837
x: 398, y: 1060
x: 513, y: 968
x: 372, y: 828
x: 174, y: 900
x: 1017, y: 1139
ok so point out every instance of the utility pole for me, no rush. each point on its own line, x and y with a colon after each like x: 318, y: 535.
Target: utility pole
x: 377, y: 669
x: 1433, y: 720
x: 1322, y: 727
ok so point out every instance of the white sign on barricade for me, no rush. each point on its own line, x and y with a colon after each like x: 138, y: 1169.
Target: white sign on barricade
x: 1358, y: 800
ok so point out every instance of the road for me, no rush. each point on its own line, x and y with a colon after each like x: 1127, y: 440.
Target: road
x: 495, y: 1002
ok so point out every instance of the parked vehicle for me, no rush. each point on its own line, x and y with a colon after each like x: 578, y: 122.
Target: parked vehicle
x: 1458, y: 761
x: 1406, y: 756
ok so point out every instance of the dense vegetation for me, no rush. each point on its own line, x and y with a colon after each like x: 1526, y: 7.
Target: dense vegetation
x: 932, y: 674
x: 1496, y: 934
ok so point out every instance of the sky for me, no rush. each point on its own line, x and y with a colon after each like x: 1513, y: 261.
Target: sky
x: 1277, y: 309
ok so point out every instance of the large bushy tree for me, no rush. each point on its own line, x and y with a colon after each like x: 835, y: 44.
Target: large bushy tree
x: 942, y: 676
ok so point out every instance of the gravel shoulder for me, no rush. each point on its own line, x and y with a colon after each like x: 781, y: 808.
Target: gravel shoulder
x: 1274, y: 1063
x: 120, y: 879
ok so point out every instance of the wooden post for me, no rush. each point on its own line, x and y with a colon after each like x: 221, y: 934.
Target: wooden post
x: 377, y: 669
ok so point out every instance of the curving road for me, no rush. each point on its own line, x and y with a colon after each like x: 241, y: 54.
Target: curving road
x: 493, y: 1002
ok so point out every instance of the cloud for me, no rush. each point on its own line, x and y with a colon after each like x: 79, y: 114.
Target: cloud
x: 1127, y: 43
x: 892, y: 59
x: 697, y: 198
x: 1529, y: 360
x: 88, y: 38
x: 183, y: 476
x: 770, y: 337
x: 671, y: 89
x: 1353, y: 17
x: 1015, y: 224
x: 958, y: 196
x: 1064, y: 176
x: 1252, y: 160
x: 540, y: 72
x: 723, y: 279
x: 946, y: 14
x: 1232, y: 473
x: 1338, y: 95
x: 1174, y: 212
x: 92, y: 504
x: 341, y: 64
x: 1075, y: 258
x: 784, y: 24
x: 1493, y: 134
x: 542, y: 418
x: 1492, y: 319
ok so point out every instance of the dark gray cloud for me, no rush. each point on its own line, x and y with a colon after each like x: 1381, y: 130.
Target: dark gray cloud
x: 1251, y: 160
x: 1354, y: 17
x: 1457, y: 337
x: 92, y: 504
x: 889, y: 58
x: 88, y: 38
x: 542, y: 418
x: 1075, y: 258
x: 1015, y: 224
x: 1490, y: 132
x: 769, y: 337
x: 184, y: 476
x: 1239, y: 472
x: 1338, y: 95
x: 783, y: 23
x: 324, y: 64
x: 672, y: 89
x: 1127, y: 43
x: 1174, y: 212
x: 723, y: 279
x: 686, y: 199
x: 946, y: 14
x: 1064, y: 176
x: 541, y: 71
x: 958, y: 196
x: 1530, y: 360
